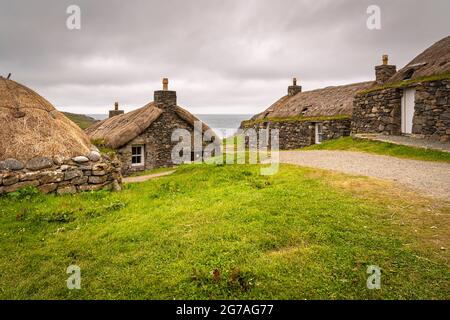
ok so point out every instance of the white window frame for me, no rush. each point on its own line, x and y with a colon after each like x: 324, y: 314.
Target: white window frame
x: 142, y: 155
x: 318, y: 135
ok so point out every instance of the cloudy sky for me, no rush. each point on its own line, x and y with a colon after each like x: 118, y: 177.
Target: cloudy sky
x: 222, y: 56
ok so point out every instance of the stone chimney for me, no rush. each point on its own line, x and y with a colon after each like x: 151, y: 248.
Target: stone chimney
x: 165, y: 98
x: 385, y: 71
x: 294, y: 89
x: 116, y: 111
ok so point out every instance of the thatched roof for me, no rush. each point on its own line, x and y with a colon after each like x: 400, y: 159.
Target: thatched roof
x: 119, y: 130
x: 330, y: 101
x: 31, y: 127
x: 433, y: 61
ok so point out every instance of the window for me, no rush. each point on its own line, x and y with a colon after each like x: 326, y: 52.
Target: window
x: 137, y: 155
x: 319, y: 133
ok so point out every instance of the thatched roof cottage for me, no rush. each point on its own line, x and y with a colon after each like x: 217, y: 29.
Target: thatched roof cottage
x: 143, y: 137
x: 415, y: 100
x: 41, y: 147
x: 304, y: 118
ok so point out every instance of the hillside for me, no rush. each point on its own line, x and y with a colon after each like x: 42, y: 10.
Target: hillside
x: 80, y: 119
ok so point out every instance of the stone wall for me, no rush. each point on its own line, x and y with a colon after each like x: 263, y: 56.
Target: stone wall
x: 157, y: 143
x: 380, y: 111
x: 377, y: 112
x: 62, y: 176
x: 299, y: 134
x: 432, y: 110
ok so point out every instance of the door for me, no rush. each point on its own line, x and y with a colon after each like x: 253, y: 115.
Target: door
x: 408, y: 110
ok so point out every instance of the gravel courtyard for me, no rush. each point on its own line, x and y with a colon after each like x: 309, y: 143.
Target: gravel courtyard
x: 429, y: 178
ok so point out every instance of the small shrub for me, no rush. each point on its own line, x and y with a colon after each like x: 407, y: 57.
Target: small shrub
x: 27, y: 194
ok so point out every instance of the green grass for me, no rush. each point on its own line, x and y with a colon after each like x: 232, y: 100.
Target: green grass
x: 400, y: 84
x: 226, y: 232
x: 383, y: 148
x: 81, y: 120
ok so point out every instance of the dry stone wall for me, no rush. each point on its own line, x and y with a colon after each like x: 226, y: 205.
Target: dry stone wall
x: 82, y: 173
x: 300, y: 134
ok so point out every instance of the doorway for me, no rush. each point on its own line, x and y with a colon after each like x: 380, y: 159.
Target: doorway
x: 408, y: 110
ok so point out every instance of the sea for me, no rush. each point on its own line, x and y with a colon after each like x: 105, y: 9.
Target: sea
x: 225, y: 125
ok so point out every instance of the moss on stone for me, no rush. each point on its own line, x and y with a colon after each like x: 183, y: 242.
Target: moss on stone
x: 404, y: 83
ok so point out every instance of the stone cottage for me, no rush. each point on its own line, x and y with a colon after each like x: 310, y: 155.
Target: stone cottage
x: 304, y: 118
x: 142, y: 138
x: 41, y: 147
x: 413, y: 101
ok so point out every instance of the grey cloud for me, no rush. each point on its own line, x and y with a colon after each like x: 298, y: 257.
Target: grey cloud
x: 221, y: 56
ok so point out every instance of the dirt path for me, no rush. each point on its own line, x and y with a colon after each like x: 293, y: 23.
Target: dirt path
x: 430, y: 178
x: 147, y: 177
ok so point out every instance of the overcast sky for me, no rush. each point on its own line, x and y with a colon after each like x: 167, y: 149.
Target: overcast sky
x: 224, y: 56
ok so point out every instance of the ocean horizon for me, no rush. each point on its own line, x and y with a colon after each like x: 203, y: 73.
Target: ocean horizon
x: 224, y: 125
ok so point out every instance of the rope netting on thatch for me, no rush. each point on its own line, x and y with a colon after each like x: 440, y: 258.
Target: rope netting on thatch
x: 330, y: 101
x: 30, y: 126
x: 433, y: 61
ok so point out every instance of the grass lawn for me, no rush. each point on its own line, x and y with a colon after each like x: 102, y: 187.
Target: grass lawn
x: 225, y: 232
x: 384, y: 148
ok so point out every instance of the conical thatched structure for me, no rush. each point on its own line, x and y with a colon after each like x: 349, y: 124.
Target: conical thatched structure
x: 31, y: 127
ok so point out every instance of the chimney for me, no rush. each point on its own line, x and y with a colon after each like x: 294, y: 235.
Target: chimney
x: 294, y: 89
x: 385, y: 71
x: 116, y: 110
x: 165, y: 98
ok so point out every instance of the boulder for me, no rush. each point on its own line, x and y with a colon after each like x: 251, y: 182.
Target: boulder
x: 67, y: 190
x: 10, y: 179
x: 97, y: 179
x: 94, y: 156
x: 80, y: 159
x: 11, y: 164
x: 39, y: 163
x: 27, y: 176
x: 47, y: 188
x: 70, y: 174
x: 80, y: 180
x: 51, y: 176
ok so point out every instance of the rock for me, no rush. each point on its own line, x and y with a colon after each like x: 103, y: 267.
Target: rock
x: 64, y: 167
x: 67, y: 190
x: 94, y: 156
x: 99, y: 166
x: 47, y: 188
x: 116, y: 186
x: 98, y: 173
x: 90, y: 187
x: 80, y: 180
x: 9, y: 180
x: 20, y: 185
x: 27, y: 176
x: 70, y: 174
x: 58, y: 160
x: 80, y: 159
x: 11, y: 164
x: 39, y: 163
x: 51, y: 176
x: 94, y: 148
x: 97, y: 179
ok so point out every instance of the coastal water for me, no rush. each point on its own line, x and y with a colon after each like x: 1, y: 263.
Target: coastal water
x: 224, y: 125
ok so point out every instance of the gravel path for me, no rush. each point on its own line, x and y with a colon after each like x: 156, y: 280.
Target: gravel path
x: 430, y: 178
x: 147, y: 177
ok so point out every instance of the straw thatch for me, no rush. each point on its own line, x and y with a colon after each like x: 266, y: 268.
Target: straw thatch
x: 30, y: 126
x: 119, y: 130
x: 326, y: 102
x: 433, y: 61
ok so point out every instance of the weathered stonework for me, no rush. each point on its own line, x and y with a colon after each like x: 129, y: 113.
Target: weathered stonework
x: 63, y: 176
x: 300, y: 134
x: 380, y: 111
